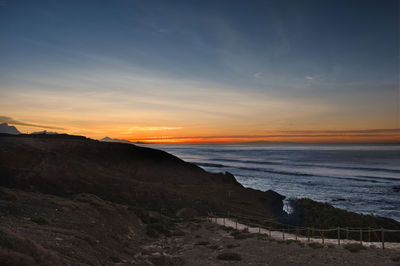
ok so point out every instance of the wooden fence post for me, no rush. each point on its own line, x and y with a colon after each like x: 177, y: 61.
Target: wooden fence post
x: 296, y: 233
x: 270, y: 234
x: 323, y: 238
x: 369, y: 234
x: 383, y: 238
x: 236, y: 224
x: 360, y: 236
x: 347, y: 233
x: 283, y: 234
x: 338, y: 236
x: 224, y: 221
x: 308, y: 233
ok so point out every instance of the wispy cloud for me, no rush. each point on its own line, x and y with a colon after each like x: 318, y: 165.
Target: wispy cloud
x: 308, y: 78
x: 361, y: 131
x: 257, y: 75
x: 9, y: 120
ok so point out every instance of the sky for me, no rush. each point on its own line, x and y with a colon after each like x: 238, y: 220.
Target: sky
x: 202, y: 71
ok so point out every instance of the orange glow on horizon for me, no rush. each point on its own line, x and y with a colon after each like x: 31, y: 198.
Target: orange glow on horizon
x: 294, y: 139
x: 175, y: 134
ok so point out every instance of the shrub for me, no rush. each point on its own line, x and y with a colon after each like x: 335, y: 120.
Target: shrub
x: 151, y: 232
x: 315, y: 245
x: 13, y: 247
x: 262, y: 237
x: 229, y: 256
x: 178, y: 233
x: 158, y: 227
x: 228, y: 229
x: 39, y: 220
x: 6, y: 241
x: 354, y: 247
x: 240, y: 235
x: 115, y: 259
x: 396, y: 259
x: 290, y: 241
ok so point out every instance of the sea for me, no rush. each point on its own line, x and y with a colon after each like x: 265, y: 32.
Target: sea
x: 360, y: 178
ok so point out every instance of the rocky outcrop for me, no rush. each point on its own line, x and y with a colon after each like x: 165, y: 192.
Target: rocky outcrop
x: 6, y: 129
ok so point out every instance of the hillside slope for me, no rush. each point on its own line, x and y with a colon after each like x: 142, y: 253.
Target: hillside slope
x: 64, y: 165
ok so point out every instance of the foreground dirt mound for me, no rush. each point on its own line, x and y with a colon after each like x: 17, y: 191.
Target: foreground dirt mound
x: 82, y: 229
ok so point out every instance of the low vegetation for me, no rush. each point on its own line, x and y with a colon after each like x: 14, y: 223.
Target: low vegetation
x: 232, y: 245
x: 354, y: 247
x: 6, y: 240
x: 290, y: 241
x: 156, y: 227
x: 229, y: 256
x: 39, y: 220
x: 315, y: 245
x: 16, y: 250
x: 202, y: 243
x: 323, y: 215
x: 241, y: 234
x: 115, y: 259
x: 396, y: 259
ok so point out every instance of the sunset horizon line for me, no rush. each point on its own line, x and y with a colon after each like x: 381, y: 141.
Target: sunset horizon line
x: 304, y: 136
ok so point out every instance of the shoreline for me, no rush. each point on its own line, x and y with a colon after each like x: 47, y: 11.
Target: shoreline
x: 343, y: 189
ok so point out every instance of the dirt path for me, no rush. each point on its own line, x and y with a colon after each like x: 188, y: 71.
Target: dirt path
x: 203, y: 243
x: 278, y: 235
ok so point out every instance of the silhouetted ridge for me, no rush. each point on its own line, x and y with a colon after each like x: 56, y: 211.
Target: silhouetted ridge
x: 66, y: 165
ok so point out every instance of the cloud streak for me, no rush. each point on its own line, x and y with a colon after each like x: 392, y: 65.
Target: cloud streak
x: 362, y: 131
x: 9, y: 120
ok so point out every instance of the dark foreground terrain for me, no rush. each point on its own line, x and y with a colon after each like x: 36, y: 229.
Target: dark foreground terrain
x: 74, y: 201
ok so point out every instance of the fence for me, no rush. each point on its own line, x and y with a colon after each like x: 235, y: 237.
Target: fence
x: 366, y: 235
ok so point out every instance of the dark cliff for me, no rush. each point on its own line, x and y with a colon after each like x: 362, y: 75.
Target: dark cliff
x: 65, y: 165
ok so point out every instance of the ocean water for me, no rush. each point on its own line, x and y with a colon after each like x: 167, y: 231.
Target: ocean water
x: 359, y: 178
